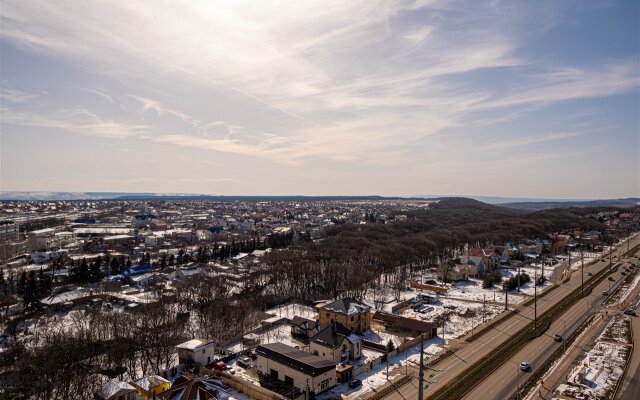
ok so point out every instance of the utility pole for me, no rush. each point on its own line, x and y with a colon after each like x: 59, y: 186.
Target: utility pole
x: 535, y: 301
x: 484, y: 307
x: 582, y: 268
x: 506, y: 298
x: 421, y: 372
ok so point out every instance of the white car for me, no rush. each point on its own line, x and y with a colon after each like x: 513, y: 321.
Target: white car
x: 525, y: 366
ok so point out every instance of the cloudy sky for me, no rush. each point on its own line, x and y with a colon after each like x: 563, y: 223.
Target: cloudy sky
x: 501, y: 98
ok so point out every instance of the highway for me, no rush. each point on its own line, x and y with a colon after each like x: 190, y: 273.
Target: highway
x: 469, y: 353
x: 504, y: 381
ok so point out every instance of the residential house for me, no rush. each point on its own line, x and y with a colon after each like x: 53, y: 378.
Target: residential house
x: 116, y: 390
x: 475, y: 265
x: 352, y: 314
x: 196, y: 351
x: 336, y: 343
x: 455, y: 272
x: 150, y: 386
x: 296, y: 368
x: 191, y: 388
x: 303, y: 328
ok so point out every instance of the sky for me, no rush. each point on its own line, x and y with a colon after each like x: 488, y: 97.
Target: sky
x: 535, y: 99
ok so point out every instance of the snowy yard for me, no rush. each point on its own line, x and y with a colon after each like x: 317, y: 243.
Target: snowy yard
x: 378, y: 375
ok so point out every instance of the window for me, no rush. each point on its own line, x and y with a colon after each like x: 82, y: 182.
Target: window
x: 324, y: 384
x: 352, y: 317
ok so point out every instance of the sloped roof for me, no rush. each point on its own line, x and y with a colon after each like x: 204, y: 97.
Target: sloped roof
x: 149, y: 382
x: 115, y: 388
x: 347, y: 306
x: 333, y: 335
x: 189, y: 388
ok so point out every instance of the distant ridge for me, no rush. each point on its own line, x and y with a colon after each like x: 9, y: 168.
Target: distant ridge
x: 97, y: 196
x: 545, y: 205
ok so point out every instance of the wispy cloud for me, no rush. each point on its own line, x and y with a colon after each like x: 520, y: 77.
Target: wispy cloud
x: 531, y: 139
x: 365, y: 82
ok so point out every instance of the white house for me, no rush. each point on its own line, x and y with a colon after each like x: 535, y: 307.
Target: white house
x: 196, y: 351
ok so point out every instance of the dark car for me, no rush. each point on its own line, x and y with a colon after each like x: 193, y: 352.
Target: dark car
x: 589, y: 274
x: 354, y: 383
x: 630, y: 311
x: 611, y: 278
x: 557, y: 338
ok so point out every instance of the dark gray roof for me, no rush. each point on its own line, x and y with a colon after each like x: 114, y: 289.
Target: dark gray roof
x: 299, y: 360
x: 331, y: 335
x: 347, y: 306
x: 303, y: 323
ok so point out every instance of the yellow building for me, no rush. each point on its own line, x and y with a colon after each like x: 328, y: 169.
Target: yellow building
x: 349, y: 312
x: 149, y: 386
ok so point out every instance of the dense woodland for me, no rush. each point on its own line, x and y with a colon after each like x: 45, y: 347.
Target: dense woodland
x: 350, y: 260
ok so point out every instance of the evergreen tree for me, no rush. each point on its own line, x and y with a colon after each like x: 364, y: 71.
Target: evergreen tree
x: 390, y: 346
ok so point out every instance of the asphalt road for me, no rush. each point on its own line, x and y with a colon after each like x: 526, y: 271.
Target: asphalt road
x: 491, y: 341
x: 504, y: 381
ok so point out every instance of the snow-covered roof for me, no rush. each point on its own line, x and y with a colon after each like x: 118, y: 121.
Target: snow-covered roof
x: 115, y: 388
x: 194, y: 344
x: 346, y: 306
x: 149, y: 382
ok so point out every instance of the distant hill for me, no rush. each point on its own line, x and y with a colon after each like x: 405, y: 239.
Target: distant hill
x: 545, y: 205
x: 71, y: 196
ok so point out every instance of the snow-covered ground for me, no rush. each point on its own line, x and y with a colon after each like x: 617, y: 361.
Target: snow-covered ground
x: 279, y: 334
x: 603, y: 366
x: 291, y: 310
x: 378, y: 375
x: 460, y: 316
x: 382, y: 337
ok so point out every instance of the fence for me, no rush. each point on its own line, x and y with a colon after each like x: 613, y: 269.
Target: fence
x: 250, y: 389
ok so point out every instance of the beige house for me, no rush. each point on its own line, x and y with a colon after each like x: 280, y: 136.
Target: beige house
x: 296, y: 367
x: 196, y: 351
x: 352, y: 314
x: 336, y: 343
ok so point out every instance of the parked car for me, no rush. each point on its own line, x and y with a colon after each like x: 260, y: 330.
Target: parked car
x: 525, y: 366
x: 244, y: 362
x: 220, y: 366
x: 611, y: 278
x: 354, y: 383
x: 605, y: 293
x: 630, y: 311
x: 426, y: 309
x: 557, y: 338
x: 589, y: 274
